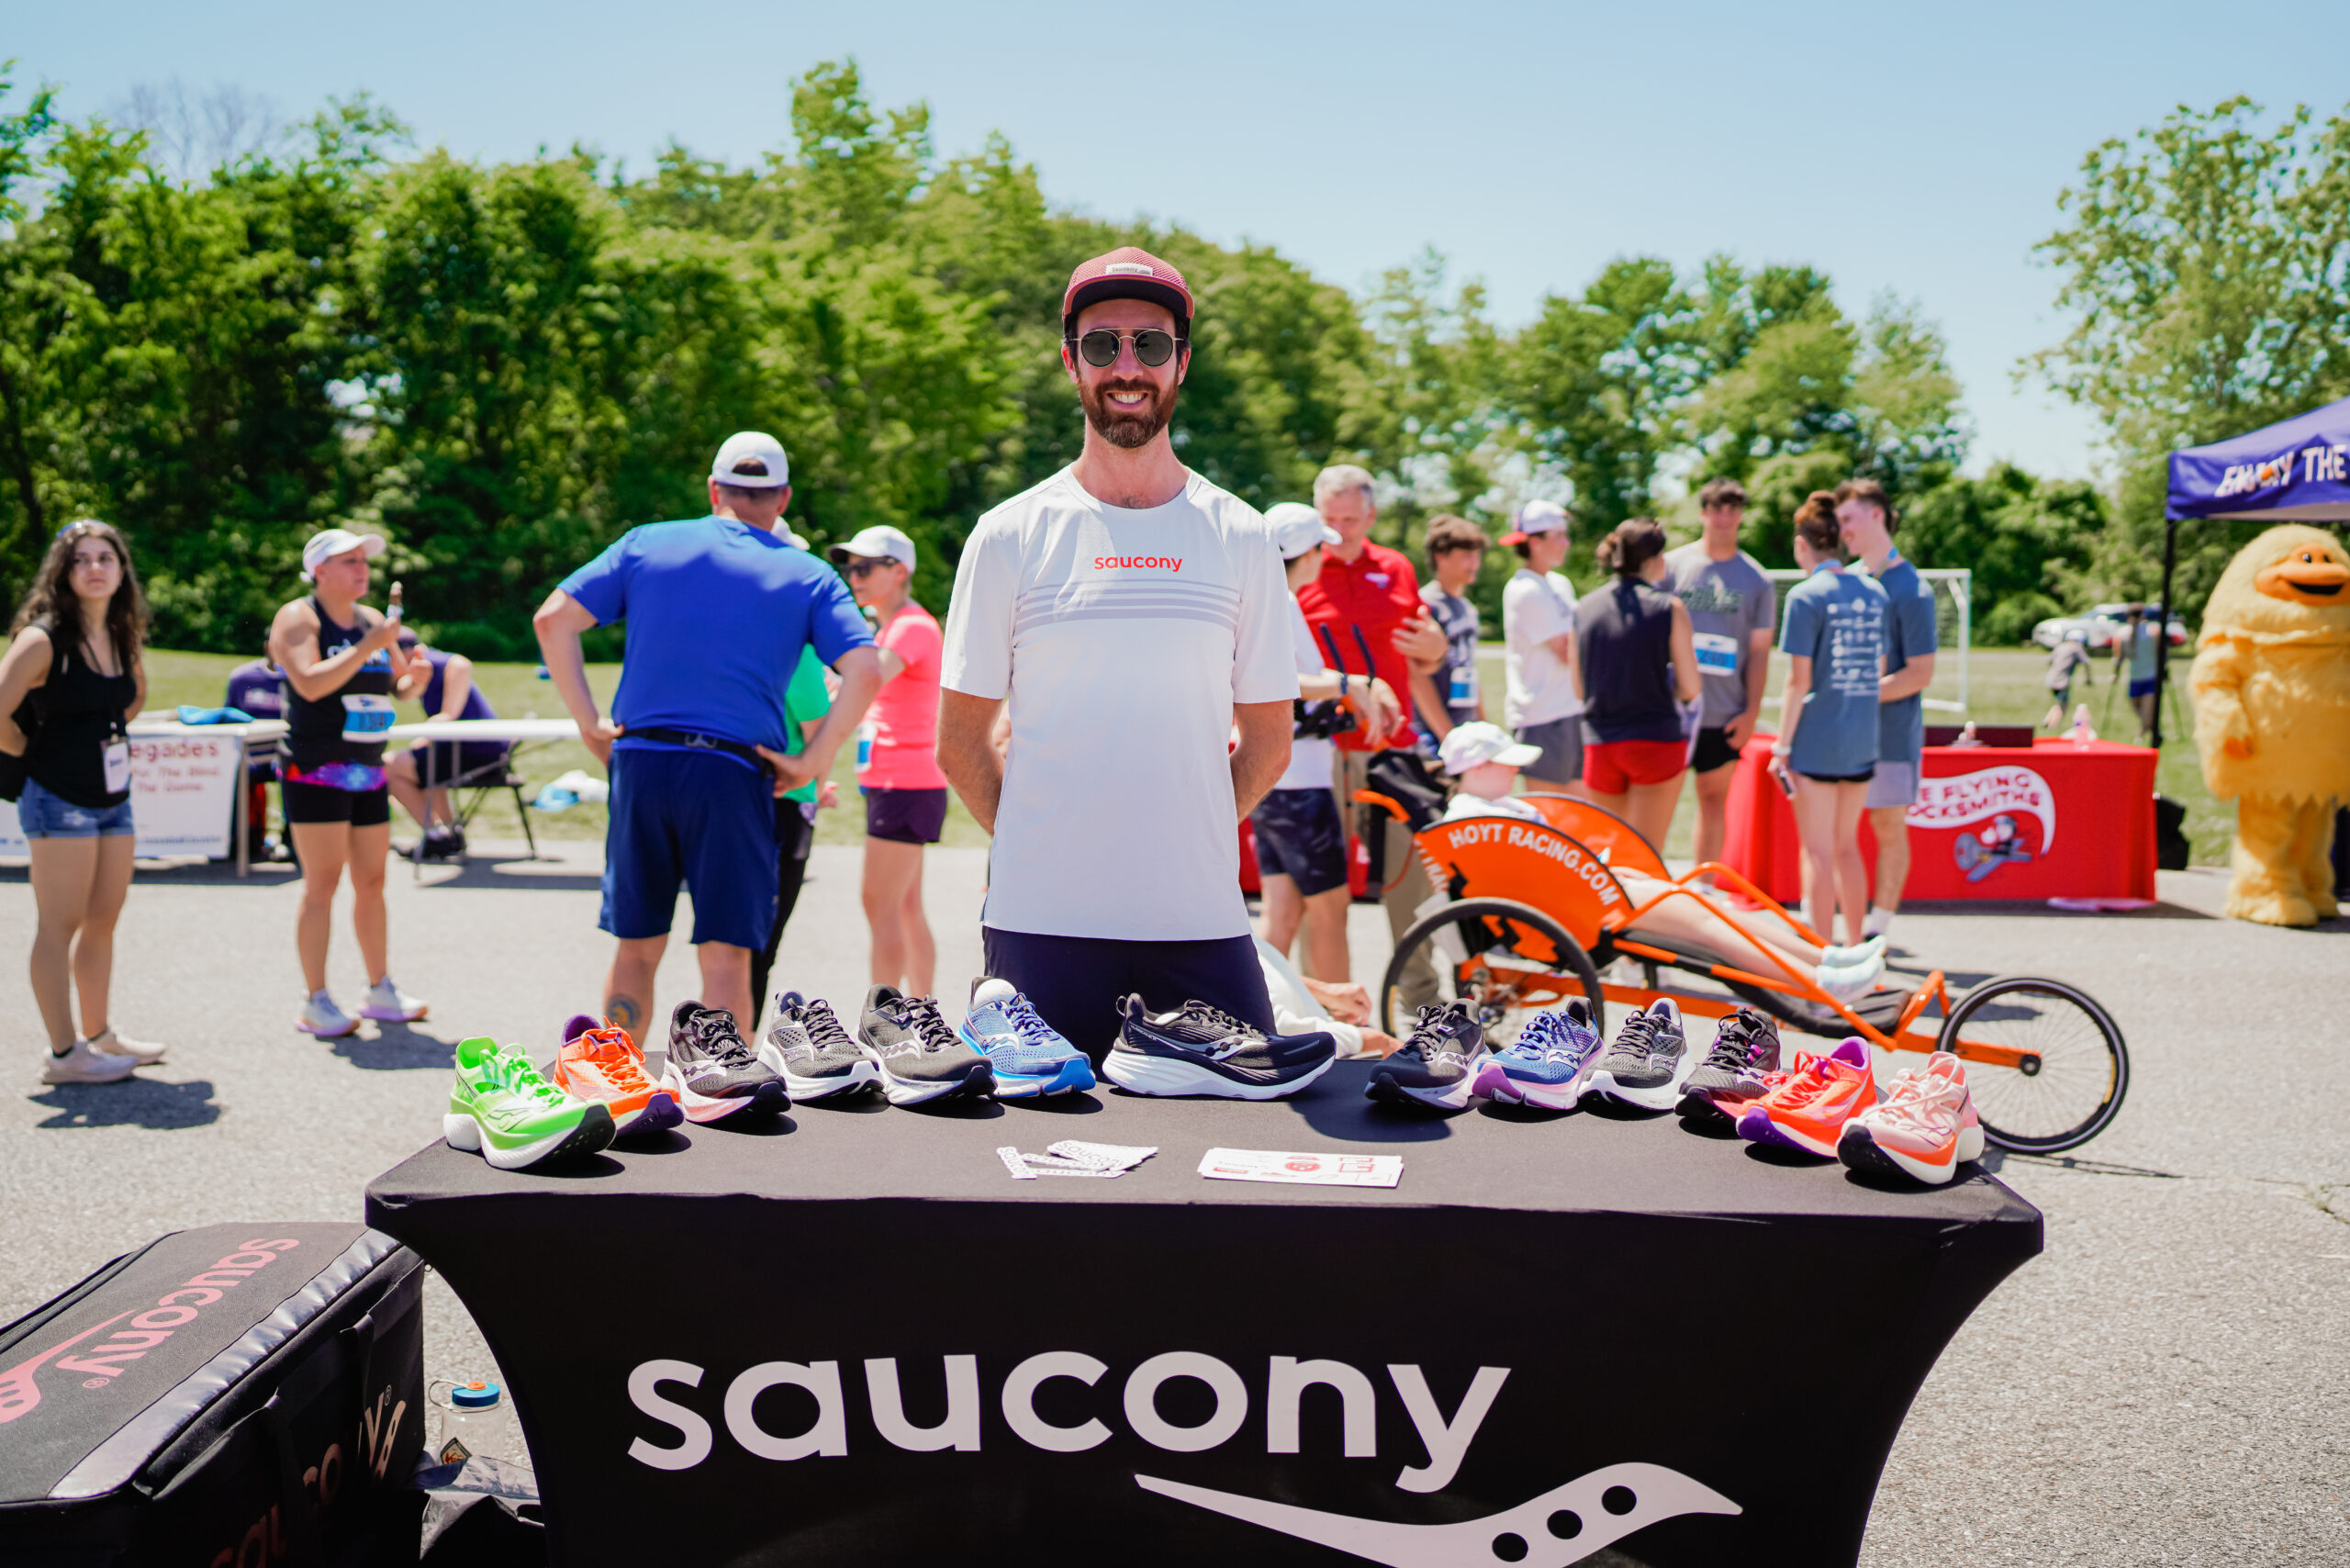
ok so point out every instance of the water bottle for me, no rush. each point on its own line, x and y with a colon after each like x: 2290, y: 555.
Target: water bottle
x: 474, y: 1417
x: 2082, y: 732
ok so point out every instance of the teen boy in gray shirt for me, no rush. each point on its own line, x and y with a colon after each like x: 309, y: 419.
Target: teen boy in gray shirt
x: 1733, y: 607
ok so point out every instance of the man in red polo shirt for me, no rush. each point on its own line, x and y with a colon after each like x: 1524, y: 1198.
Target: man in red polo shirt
x: 1365, y: 611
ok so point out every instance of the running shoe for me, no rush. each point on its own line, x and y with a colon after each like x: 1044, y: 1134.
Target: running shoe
x: 807, y: 1045
x: 1925, y: 1127
x: 603, y: 1065
x: 502, y: 1110
x: 1199, y: 1049
x: 84, y: 1064
x: 388, y: 1003
x: 1745, y: 1050
x: 1544, y: 1067
x: 321, y: 1017
x: 920, y: 1059
x: 145, y: 1053
x: 710, y: 1072
x: 1846, y: 973
x: 1643, y: 1067
x: 1810, y: 1110
x: 1438, y: 1065
x: 1030, y: 1057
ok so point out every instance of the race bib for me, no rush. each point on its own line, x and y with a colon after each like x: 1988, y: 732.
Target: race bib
x: 1464, y: 686
x: 365, y: 718
x: 1716, y: 655
x: 118, y: 766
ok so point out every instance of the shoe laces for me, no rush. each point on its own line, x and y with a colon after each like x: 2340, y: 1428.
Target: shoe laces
x: 1637, y: 1036
x: 518, y: 1076
x: 1734, y: 1043
x: 713, y: 1030
x: 824, y: 1031
x: 614, y: 1053
x: 1025, y: 1020
x: 1918, y: 1095
x: 921, y: 1014
x: 1545, y: 1031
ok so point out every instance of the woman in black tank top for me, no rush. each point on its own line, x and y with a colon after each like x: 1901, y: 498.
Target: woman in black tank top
x: 1635, y: 657
x: 70, y: 684
x: 343, y: 668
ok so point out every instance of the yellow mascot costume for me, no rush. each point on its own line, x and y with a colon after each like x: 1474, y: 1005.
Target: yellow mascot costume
x: 2272, y: 717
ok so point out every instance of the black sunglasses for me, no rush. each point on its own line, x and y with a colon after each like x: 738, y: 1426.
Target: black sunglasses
x: 871, y: 564
x: 1153, y: 347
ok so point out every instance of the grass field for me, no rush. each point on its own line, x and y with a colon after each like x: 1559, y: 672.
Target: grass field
x: 2004, y: 687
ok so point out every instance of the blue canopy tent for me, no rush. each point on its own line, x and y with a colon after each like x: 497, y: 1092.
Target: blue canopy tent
x: 2298, y: 471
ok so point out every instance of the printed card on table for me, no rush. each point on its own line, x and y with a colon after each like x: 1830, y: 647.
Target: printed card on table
x: 1302, y: 1170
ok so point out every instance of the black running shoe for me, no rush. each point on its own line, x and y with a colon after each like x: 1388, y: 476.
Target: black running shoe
x: 711, y: 1072
x: 1438, y: 1065
x: 1643, y: 1067
x: 1746, y: 1045
x: 919, y: 1058
x: 1199, y: 1049
x: 807, y: 1045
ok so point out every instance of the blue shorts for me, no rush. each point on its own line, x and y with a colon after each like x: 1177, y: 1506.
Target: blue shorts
x: 2142, y: 688
x: 40, y: 814
x: 1299, y: 836
x: 1077, y: 982
x: 700, y: 818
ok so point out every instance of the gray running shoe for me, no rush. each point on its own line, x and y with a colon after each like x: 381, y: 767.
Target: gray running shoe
x: 919, y: 1057
x: 1438, y: 1065
x: 815, y: 1055
x: 1643, y: 1067
x: 1746, y: 1047
x: 710, y: 1071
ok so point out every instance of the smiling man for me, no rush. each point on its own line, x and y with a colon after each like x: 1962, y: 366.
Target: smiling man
x: 1132, y: 614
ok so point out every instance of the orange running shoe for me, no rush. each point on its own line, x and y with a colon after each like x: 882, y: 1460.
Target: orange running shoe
x: 1810, y: 1110
x: 604, y: 1066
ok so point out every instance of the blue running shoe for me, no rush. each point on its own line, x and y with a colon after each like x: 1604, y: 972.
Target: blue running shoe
x: 1029, y: 1059
x: 1546, y: 1065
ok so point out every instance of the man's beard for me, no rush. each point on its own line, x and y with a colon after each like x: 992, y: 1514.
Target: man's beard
x: 1123, y: 427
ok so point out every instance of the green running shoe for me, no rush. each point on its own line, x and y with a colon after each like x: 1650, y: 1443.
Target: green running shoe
x: 501, y: 1109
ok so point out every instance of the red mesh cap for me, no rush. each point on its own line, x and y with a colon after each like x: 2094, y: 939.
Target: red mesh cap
x: 1126, y: 273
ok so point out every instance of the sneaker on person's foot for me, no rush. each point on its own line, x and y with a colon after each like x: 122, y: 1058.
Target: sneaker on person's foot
x: 1545, y: 1067
x: 1029, y: 1056
x: 442, y: 844
x: 603, y: 1065
x: 1643, y: 1067
x: 1925, y: 1129
x: 83, y: 1064
x: 921, y: 1059
x: 321, y: 1017
x: 115, y: 1044
x: 386, y: 1004
x: 1745, y: 1050
x: 500, y: 1108
x: 1438, y: 1065
x: 807, y: 1045
x: 712, y: 1072
x: 1199, y: 1049
x: 1808, y: 1111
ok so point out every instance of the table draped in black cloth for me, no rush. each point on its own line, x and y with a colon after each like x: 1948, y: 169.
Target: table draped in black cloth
x: 848, y: 1335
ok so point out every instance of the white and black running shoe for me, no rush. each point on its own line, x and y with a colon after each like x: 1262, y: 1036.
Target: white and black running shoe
x: 920, y: 1059
x: 711, y: 1072
x: 1199, y: 1049
x: 1438, y: 1065
x: 1646, y: 1065
x: 807, y: 1045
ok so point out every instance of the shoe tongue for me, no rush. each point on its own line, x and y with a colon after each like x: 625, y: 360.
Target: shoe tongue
x: 993, y: 990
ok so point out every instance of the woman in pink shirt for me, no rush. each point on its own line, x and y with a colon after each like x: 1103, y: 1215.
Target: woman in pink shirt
x: 897, y: 767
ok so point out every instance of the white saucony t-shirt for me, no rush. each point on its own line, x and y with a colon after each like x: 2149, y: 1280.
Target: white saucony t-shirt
x: 1123, y: 639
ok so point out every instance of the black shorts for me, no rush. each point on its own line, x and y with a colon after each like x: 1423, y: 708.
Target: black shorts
x: 455, y: 759
x: 1714, y: 750
x: 905, y: 816
x: 320, y: 803
x: 1076, y: 983
x: 1862, y: 777
x: 1299, y: 836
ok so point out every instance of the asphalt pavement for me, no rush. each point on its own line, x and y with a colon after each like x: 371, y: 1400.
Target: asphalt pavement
x: 2169, y: 1383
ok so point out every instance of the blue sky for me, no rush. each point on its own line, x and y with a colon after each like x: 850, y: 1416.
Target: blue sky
x: 1908, y: 149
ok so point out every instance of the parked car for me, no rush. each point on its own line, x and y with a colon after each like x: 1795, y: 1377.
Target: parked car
x: 2100, y: 626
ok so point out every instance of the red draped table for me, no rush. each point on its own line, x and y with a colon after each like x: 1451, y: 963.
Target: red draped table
x: 2053, y: 820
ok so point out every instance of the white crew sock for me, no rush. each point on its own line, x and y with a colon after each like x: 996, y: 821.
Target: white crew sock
x: 1879, y: 922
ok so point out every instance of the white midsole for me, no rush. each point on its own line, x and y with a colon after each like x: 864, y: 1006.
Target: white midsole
x: 1970, y: 1147
x: 1145, y: 1074
x: 1455, y: 1095
x: 702, y: 1107
x: 1663, y: 1097
x: 465, y: 1133
x: 859, y: 1074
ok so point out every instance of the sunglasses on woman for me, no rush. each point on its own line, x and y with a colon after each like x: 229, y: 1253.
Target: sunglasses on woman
x: 1152, y: 346
x: 869, y: 565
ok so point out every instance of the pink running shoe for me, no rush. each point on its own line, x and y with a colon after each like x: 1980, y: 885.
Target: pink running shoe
x: 1924, y: 1128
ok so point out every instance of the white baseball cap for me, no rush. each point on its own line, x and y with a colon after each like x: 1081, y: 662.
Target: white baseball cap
x: 1297, y: 527
x: 1469, y: 745
x: 875, y: 543
x: 334, y: 542
x: 751, y: 460
x: 1537, y: 517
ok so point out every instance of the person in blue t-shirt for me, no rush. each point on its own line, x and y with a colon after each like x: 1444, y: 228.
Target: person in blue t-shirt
x: 449, y: 693
x: 1834, y: 639
x: 1864, y: 513
x: 257, y: 687
x: 719, y: 610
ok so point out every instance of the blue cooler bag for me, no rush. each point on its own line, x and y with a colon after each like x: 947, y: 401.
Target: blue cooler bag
x: 246, y: 1394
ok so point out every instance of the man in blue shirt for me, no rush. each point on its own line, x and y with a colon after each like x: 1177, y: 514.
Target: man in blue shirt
x: 718, y: 610
x: 1866, y: 515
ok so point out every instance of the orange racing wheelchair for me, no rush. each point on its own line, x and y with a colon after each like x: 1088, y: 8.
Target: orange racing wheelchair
x: 1534, y: 912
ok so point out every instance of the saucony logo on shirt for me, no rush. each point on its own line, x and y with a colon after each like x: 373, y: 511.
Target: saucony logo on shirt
x: 1137, y: 562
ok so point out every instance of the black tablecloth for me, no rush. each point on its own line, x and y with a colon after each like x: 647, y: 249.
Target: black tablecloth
x: 1686, y: 1323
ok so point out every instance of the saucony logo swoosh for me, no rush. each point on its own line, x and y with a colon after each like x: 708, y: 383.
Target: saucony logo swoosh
x: 18, y: 1392
x: 1563, y: 1526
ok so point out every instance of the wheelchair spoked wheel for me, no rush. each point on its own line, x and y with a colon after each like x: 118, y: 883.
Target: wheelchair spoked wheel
x: 2075, y: 1071
x: 1510, y: 959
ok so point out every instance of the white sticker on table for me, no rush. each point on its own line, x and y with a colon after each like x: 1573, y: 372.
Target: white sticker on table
x: 1302, y: 1170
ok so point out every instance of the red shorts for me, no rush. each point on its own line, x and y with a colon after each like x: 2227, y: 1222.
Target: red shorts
x: 1610, y: 768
